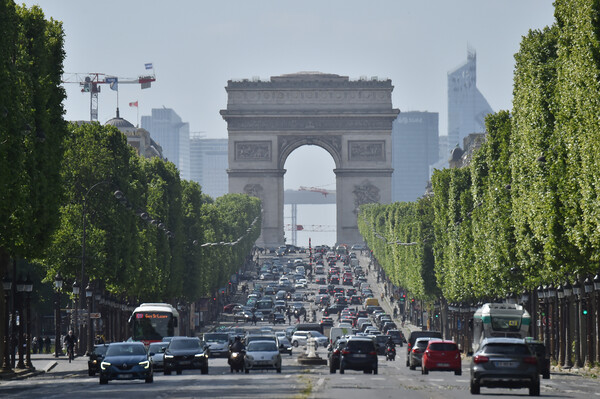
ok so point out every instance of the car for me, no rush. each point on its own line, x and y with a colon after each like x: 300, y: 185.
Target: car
x: 321, y: 280
x: 243, y: 316
x: 299, y: 338
x: 95, y: 358
x: 261, y: 337
x: 504, y: 363
x: 416, y: 353
x: 126, y: 361
x: 380, y: 343
x: 320, y: 339
x: 442, y: 356
x: 357, y: 247
x: 156, y: 351
x: 277, y: 318
x: 334, y: 353
x: 218, y: 343
x: 262, y: 355
x: 326, y: 321
x: 397, y: 336
x: 284, y: 345
x: 539, y: 349
x: 229, y: 308
x: 413, y: 337
x: 359, y: 354
x: 185, y: 353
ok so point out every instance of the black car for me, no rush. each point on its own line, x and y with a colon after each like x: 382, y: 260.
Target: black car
x: 359, y: 354
x: 126, y: 361
x: 539, y: 349
x: 95, y: 359
x: 277, y: 318
x: 334, y: 353
x: 185, y: 353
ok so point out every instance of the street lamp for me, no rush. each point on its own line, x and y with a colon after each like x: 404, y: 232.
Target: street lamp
x: 541, y: 295
x: 58, y: 282
x: 597, y: 289
x: 89, y: 292
x: 28, y: 287
x: 7, y: 286
x: 588, y: 286
x: 20, y: 288
x: 561, y: 324
x: 568, y: 289
x: 74, y: 315
x: 577, y: 293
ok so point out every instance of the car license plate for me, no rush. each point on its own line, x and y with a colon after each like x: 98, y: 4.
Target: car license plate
x: 360, y: 355
x: 506, y: 364
x: 184, y: 362
x: 443, y: 364
x: 123, y: 376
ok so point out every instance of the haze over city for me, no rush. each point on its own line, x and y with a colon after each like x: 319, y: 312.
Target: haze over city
x: 196, y: 47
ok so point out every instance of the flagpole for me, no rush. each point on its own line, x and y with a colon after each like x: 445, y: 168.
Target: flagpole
x: 137, y: 111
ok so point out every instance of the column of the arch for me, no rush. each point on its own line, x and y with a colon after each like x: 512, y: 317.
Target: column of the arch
x: 266, y: 184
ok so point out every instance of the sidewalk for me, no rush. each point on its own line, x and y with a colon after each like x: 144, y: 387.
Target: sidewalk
x: 47, y: 363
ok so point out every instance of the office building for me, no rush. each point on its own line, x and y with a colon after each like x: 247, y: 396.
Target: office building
x: 208, y: 164
x: 414, y: 149
x: 168, y: 130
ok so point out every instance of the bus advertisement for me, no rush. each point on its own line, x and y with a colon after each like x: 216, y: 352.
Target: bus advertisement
x: 151, y: 322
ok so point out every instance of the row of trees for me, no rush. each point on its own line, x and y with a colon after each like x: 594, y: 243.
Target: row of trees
x: 526, y: 210
x: 55, y: 178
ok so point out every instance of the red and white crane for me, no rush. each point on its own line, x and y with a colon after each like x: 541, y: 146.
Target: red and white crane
x: 90, y: 83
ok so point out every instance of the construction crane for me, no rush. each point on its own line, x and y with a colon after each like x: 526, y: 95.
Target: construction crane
x: 90, y: 83
x: 317, y: 190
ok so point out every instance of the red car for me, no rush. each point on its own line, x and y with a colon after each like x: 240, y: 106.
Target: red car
x: 229, y: 307
x: 441, y: 355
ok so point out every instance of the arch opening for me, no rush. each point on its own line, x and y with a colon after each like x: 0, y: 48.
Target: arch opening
x: 309, y: 173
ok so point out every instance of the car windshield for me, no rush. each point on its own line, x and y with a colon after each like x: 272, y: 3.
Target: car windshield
x: 506, y: 349
x: 100, y: 350
x: 220, y: 338
x: 126, y: 350
x: 443, y: 346
x: 261, y: 346
x: 421, y: 344
x: 316, y: 334
x: 185, y: 344
x: 157, y: 347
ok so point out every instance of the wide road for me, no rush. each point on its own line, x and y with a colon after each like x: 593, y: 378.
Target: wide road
x: 394, y: 380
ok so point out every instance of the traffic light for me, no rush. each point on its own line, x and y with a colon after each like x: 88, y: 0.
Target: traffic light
x: 584, y: 311
x: 412, y: 300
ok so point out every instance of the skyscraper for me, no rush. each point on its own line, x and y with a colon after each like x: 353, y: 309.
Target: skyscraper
x: 414, y: 148
x: 167, y: 129
x: 208, y: 164
x: 467, y: 107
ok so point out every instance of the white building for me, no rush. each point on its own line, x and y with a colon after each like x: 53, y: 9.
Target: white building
x: 168, y: 130
x: 208, y: 164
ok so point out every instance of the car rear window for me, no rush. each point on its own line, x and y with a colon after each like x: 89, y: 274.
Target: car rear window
x: 261, y: 346
x: 443, y: 347
x: 360, y: 345
x: 421, y: 344
x: 506, y: 349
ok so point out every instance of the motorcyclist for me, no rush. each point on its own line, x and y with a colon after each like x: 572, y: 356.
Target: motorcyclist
x: 390, y: 344
x: 237, y: 345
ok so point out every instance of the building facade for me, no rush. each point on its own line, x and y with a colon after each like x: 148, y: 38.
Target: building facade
x: 208, y: 164
x: 467, y: 108
x: 168, y: 130
x: 414, y: 149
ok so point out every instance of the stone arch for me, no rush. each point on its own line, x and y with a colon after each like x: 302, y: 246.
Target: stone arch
x: 289, y: 144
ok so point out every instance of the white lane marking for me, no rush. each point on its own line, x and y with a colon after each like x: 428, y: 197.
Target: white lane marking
x: 378, y: 378
x: 436, y: 379
x: 461, y: 380
x: 320, y: 382
x: 288, y: 376
x: 348, y: 378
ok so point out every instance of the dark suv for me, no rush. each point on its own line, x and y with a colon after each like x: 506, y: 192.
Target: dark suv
x: 95, y: 359
x: 359, y: 354
x: 184, y: 353
x: 505, y: 363
x: 334, y: 354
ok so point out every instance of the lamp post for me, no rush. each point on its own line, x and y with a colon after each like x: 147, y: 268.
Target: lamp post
x: 561, y: 325
x: 20, y: 289
x: 89, y: 292
x: 7, y: 286
x: 588, y: 286
x: 550, y: 323
x: 75, y: 305
x: 597, y: 289
x: 28, y: 287
x: 541, y: 295
x: 58, y: 282
x: 568, y: 289
x: 577, y: 293
x: 98, y: 301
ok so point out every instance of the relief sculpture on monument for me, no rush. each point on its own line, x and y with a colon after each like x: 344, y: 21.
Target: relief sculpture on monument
x: 253, y: 151
x: 365, y: 193
x: 367, y: 150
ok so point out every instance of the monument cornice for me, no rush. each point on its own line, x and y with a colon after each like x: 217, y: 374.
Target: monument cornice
x: 309, y: 123
x: 364, y: 172
x: 247, y: 173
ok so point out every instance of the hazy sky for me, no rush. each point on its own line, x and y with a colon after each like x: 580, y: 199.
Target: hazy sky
x: 197, y: 46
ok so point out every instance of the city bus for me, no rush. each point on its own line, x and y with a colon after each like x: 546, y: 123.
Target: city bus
x: 500, y: 320
x: 151, y: 322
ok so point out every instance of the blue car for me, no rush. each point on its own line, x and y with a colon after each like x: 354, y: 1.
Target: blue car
x: 126, y: 361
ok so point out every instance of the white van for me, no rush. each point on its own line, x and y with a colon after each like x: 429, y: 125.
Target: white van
x: 337, y: 332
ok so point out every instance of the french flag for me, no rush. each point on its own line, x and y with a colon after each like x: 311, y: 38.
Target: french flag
x: 148, y: 65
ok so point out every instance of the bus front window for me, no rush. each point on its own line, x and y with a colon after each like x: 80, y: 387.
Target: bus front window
x: 152, y: 326
x: 506, y: 323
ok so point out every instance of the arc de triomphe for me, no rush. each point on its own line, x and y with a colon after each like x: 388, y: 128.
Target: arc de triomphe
x: 352, y: 120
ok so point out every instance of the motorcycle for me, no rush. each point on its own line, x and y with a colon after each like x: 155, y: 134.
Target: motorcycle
x: 390, y: 353
x: 236, y: 361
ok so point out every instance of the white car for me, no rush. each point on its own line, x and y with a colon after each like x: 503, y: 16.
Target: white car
x: 301, y: 283
x: 299, y: 338
x: 262, y: 355
x: 320, y: 339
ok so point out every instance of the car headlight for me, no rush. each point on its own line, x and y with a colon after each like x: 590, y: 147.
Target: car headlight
x: 94, y: 361
x: 200, y: 355
x: 168, y: 356
x: 104, y: 365
x: 234, y: 354
x: 145, y: 364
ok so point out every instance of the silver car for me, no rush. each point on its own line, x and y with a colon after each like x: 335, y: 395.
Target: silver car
x: 416, y: 353
x: 156, y: 350
x: 505, y: 363
x: 262, y: 355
